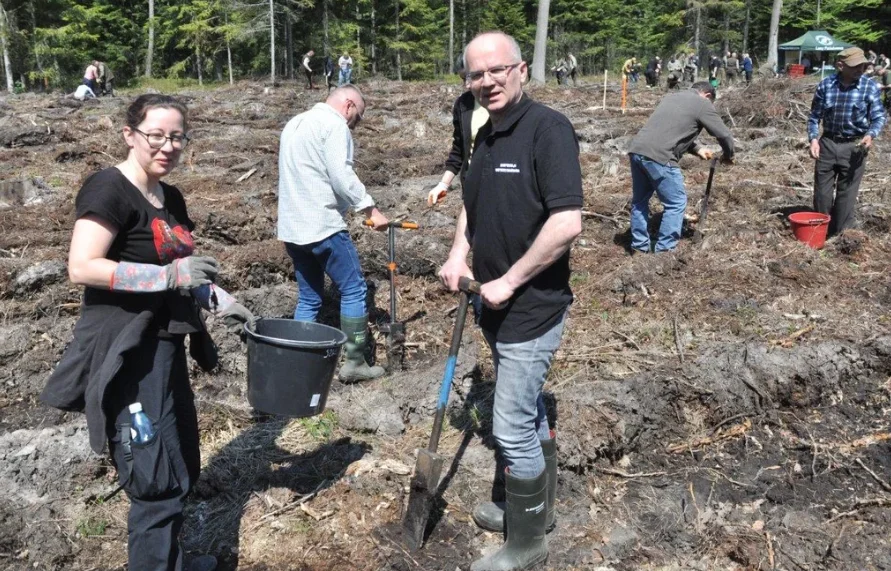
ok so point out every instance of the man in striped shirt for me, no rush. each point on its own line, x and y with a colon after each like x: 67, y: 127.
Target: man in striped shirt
x: 849, y: 107
x: 316, y: 187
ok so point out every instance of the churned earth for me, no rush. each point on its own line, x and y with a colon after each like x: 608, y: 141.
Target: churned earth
x: 722, y: 407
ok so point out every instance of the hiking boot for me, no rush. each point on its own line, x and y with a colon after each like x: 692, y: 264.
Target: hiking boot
x: 524, y: 515
x: 490, y: 515
x: 355, y: 368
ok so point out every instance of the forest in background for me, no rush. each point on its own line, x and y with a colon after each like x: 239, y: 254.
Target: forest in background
x: 46, y: 44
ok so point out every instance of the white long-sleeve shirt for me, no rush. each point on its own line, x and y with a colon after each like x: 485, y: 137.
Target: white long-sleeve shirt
x: 317, y: 184
x: 345, y: 63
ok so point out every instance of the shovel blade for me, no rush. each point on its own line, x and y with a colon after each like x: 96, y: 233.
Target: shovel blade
x: 420, y: 501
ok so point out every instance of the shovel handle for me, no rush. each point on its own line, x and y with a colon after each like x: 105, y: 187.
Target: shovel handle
x: 468, y: 285
x: 403, y: 225
x: 452, y: 360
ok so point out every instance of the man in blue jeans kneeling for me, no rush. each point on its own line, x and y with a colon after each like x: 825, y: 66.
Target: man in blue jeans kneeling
x: 316, y: 186
x: 655, y: 152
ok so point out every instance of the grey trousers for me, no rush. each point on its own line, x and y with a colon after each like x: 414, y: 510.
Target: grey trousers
x: 837, y: 176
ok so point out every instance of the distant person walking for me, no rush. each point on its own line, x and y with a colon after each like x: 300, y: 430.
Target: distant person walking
x: 628, y: 69
x: 91, y: 75
x: 573, y: 66
x: 670, y: 132
x: 329, y: 73
x: 675, y: 72
x: 654, y: 66
x: 732, y: 68
x: 691, y: 67
x: 848, y: 105
x: 106, y: 79
x: 307, y: 68
x: 346, y: 69
x: 747, y: 67
x: 316, y: 187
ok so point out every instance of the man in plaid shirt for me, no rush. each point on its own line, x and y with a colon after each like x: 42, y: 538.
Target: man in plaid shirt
x: 848, y: 104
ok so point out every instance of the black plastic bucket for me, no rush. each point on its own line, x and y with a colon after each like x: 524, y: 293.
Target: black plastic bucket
x: 291, y: 365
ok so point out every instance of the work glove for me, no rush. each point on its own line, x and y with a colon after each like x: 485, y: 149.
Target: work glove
x: 183, y: 274
x: 190, y: 272
x: 438, y: 193
x: 235, y: 316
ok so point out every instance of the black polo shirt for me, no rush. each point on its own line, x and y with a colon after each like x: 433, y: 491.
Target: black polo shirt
x: 521, y: 171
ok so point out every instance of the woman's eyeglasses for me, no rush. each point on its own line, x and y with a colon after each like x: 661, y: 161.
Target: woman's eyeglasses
x: 156, y: 140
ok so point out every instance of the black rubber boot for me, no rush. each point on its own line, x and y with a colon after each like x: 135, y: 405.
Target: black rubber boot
x: 490, y: 515
x: 524, y: 516
x: 354, y: 367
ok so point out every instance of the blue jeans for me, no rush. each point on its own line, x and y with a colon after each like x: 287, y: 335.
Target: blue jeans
x: 519, y: 418
x: 667, y: 182
x: 337, y: 257
x: 344, y: 76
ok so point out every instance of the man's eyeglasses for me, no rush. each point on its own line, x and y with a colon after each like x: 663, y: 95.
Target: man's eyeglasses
x: 156, y: 140
x: 358, y: 115
x: 498, y: 74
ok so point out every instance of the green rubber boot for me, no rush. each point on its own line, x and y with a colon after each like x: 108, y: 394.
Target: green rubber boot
x: 354, y: 367
x: 524, y: 517
x: 490, y: 515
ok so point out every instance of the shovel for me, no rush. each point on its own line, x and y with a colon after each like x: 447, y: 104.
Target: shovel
x: 394, y: 330
x: 703, y: 210
x: 429, y: 464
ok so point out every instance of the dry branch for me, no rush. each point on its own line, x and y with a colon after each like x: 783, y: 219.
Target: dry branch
x: 732, y: 432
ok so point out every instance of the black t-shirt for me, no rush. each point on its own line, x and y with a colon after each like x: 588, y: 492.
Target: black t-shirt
x: 521, y: 171
x: 146, y: 235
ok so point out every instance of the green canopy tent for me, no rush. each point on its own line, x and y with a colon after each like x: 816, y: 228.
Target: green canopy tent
x: 814, y: 41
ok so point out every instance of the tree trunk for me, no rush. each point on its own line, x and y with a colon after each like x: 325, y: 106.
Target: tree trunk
x: 745, y: 38
x: 151, y: 39
x: 398, y: 51
x: 726, y: 30
x: 772, y: 55
x: 463, y: 25
x: 289, y: 45
x: 358, y: 38
x: 373, y: 42
x: 198, y: 65
x: 697, y: 27
x: 325, y: 49
x: 541, y: 42
x: 272, y: 41
x: 4, y: 47
x: 37, y: 59
x: 229, y: 60
x: 451, y: 36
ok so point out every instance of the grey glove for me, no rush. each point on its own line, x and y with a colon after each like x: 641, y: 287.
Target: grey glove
x: 182, y: 274
x: 235, y: 316
x: 193, y: 271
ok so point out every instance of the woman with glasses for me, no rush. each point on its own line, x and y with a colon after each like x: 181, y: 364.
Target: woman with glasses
x: 132, y: 249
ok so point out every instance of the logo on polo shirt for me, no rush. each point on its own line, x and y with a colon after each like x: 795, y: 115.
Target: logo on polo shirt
x: 507, y: 167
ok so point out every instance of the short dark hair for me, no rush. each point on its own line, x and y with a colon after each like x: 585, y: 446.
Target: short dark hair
x: 704, y: 87
x: 137, y: 110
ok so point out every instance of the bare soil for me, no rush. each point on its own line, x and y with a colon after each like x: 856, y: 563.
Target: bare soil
x: 722, y: 407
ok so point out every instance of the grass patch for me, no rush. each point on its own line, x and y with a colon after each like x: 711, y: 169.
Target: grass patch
x: 91, y: 526
x: 320, y: 427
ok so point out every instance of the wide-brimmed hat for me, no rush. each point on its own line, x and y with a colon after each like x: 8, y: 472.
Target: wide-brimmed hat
x: 852, y: 57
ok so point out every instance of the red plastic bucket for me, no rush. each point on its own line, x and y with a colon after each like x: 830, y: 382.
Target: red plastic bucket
x: 810, y: 228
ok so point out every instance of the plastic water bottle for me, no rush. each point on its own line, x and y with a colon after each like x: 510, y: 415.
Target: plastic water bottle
x: 141, y: 429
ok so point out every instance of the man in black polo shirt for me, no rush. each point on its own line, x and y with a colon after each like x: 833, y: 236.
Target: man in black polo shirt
x: 522, y: 210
